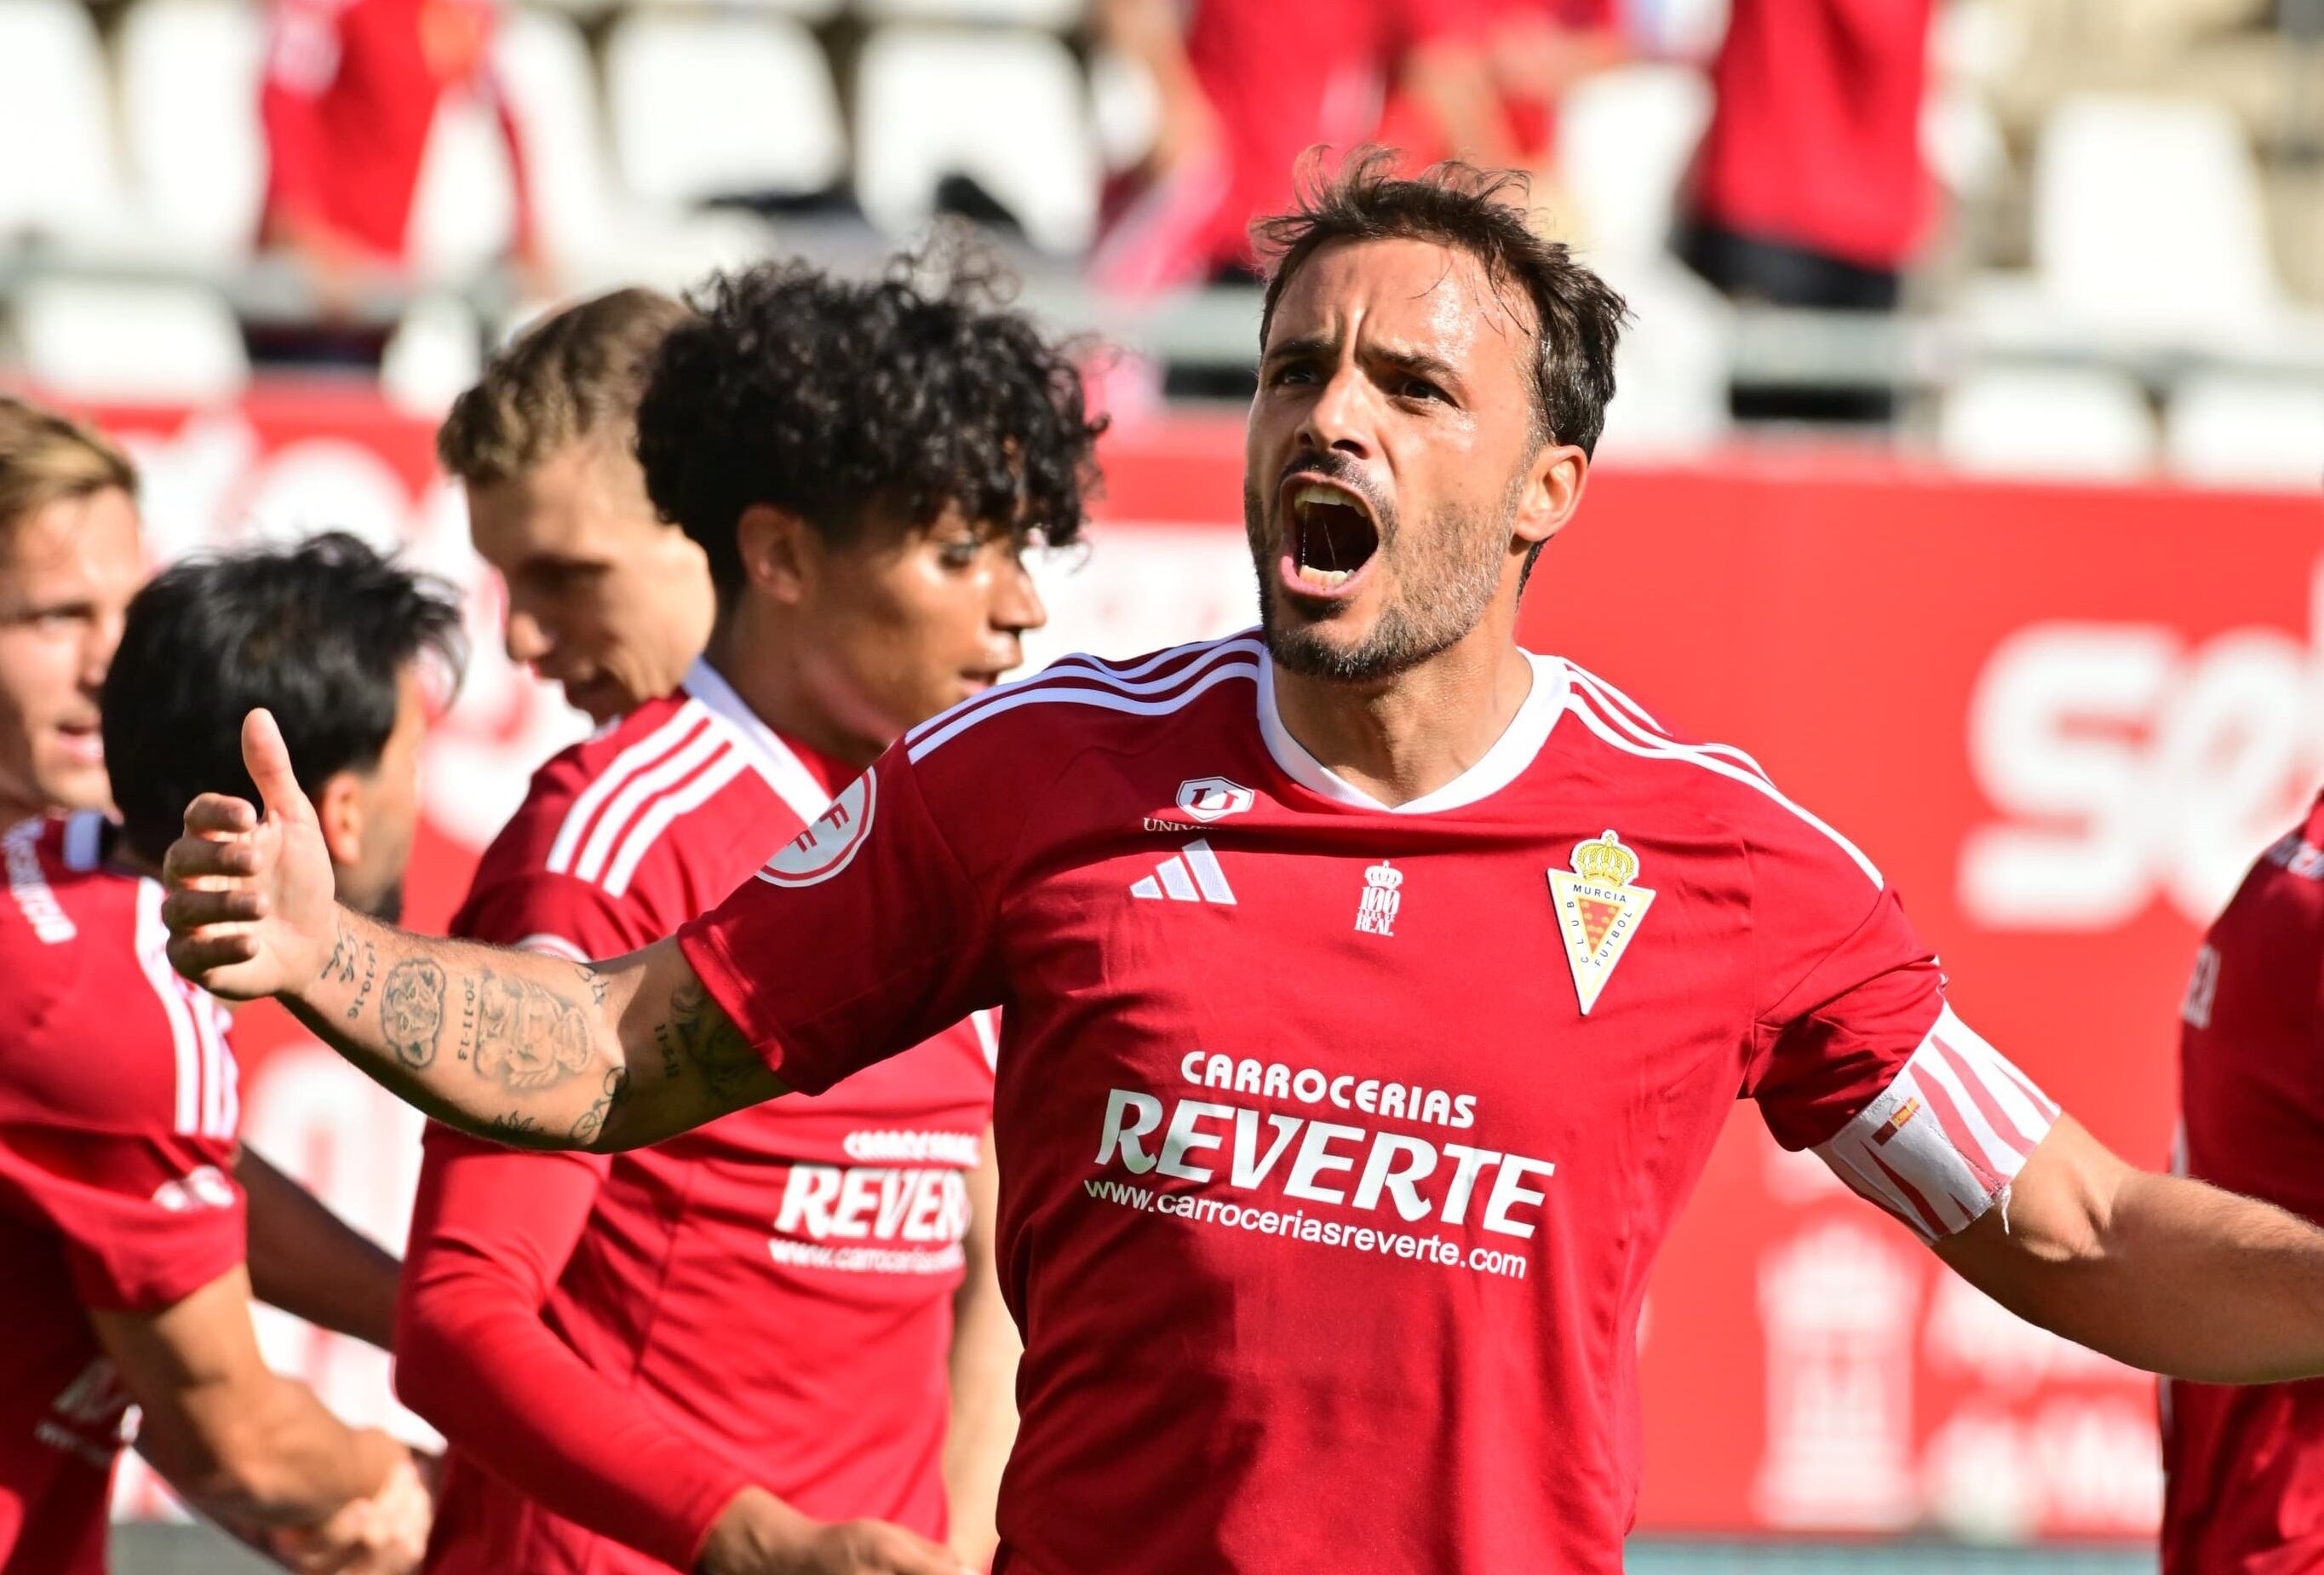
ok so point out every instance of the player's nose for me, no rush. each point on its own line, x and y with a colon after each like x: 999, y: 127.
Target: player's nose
x: 1338, y: 419
x: 1017, y: 604
x: 525, y: 638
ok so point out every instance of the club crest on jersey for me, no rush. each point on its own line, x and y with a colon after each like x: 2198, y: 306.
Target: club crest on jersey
x: 1376, y: 915
x: 1597, y: 911
x: 829, y: 844
x: 1214, y: 798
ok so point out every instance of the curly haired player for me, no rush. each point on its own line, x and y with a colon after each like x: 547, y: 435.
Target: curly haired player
x: 642, y: 1360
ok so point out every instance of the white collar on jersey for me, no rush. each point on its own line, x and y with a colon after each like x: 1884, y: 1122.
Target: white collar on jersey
x: 793, y: 783
x: 1511, y: 753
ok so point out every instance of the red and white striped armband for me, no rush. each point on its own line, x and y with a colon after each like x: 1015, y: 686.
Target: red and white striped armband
x: 1946, y: 1136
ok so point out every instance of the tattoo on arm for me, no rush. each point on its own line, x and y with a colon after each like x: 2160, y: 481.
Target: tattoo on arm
x: 696, y: 1039
x: 352, y: 960
x: 527, y: 1036
x: 512, y: 1127
x: 592, y: 1121
x: 410, y: 1009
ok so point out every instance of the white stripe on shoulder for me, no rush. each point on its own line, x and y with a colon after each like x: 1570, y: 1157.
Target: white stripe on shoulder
x: 1084, y: 666
x: 610, y: 781
x: 647, y: 829
x: 1118, y: 698
x: 776, y: 761
x: 1630, y: 743
x: 153, y: 941
x: 712, y: 744
x: 549, y: 945
x: 1622, y: 709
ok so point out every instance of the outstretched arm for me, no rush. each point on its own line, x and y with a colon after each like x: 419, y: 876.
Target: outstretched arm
x: 2159, y: 1271
x: 528, y: 1049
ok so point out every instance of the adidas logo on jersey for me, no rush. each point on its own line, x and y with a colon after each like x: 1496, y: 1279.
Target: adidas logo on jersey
x: 1191, y: 875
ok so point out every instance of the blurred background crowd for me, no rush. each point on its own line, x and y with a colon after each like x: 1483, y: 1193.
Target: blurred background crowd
x: 2067, y: 236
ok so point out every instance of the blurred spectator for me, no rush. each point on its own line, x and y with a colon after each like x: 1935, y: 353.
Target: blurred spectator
x: 1535, y: 50
x: 351, y: 94
x: 1244, y: 88
x: 1809, y: 189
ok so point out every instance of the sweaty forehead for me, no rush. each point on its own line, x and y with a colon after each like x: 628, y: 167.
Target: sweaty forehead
x: 1406, y: 294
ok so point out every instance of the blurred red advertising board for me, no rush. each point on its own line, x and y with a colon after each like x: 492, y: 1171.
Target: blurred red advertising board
x: 2062, y: 719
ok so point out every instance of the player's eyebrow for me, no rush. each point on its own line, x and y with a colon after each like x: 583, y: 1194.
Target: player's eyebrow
x: 1305, y: 347
x: 1420, y: 363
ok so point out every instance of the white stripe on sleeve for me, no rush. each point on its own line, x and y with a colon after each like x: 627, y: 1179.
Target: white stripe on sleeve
x: 1946, y: 1135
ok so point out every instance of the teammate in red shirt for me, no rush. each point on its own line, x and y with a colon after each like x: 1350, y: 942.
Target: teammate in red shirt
x: 122, y: 1204
x: 1375, y: 990
x: 348, y: 99
x: 2243, y: 1468
x: 556, y: 1304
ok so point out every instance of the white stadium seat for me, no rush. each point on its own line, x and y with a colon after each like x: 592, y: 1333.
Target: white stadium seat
x: 1671, y: 368
x: 542, y: 63
x: 2147, y: 216
x: 436, y: 351
x: 1008, y: 108
x: 61, y: 179
x: 2228, y: 429
x: 132, y: 343
x: 1050, y: 15
x: 190, y: 76
x: 2054, y: 423
x: 709, y: 104
x: 464, y: 214
x: 1625, y: 139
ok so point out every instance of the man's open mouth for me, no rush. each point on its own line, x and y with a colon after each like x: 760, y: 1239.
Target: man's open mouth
x: 1332, y: 536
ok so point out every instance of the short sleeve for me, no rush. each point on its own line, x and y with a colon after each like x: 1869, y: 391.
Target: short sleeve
x: 1858, y: 1056
x: 561, y: 915
x: 144, y: 1221
x: 861, y: 937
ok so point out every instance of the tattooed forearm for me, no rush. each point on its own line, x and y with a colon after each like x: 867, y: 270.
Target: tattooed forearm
x: 410, y: 1010
x: 353, y: 962
x: 513, y: 1128
x: 592, y: 1121
x: 696, y: 1039
x: 526, y: 1035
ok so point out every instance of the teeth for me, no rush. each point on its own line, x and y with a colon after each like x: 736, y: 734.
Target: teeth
x: 1316, y: 492
x: 1327, y: 578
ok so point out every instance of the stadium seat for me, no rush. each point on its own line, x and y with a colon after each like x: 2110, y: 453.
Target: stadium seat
x: 1006, y: 108
x: 1050, y: 15
x: 542, y: 63
x: 130, y: 343
x: 2147, y: 216
x: 60, y: 181
x: 436, y: 352
x: 464, y: 214
x: 2246, y: 430
x: 719, y: 104
x: 2047, y: 423
x: 1671, y: 372
x: 1625, y: 138
x: 189, y: 78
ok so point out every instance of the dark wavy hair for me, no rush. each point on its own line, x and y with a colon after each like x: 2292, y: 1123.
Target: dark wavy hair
x: 835, y: 398
x: 318, y: 633
x: 1576, y: 317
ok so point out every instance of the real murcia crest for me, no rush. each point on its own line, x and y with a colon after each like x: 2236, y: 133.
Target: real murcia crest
x: 1597, y: 911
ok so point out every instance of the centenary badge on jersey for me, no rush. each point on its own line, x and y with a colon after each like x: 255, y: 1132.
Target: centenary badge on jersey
x: 1597, y: 911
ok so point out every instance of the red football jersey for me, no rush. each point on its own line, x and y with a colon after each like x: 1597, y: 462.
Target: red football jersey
x: 1337, y: 1140
x: 118, y: 1113
x: 2244, y: 1466
x: 1815, y: 137
x: 775, y: 1288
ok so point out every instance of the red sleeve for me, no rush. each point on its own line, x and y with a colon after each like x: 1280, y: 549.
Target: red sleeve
x: 491, y: 1231
x: 862, y: 936
x: 145, y: 1219
x: 1857, y: 1054
x: 302, y: 60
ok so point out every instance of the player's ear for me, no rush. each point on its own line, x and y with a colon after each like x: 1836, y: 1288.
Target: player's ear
x: 779, y: 550
x: 339, y: 809
x: 1552, y: 491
